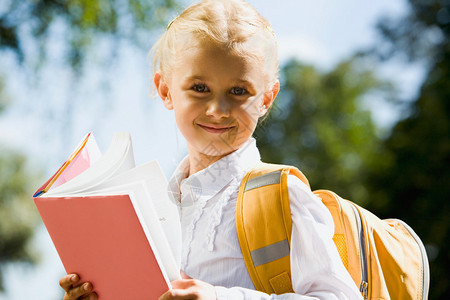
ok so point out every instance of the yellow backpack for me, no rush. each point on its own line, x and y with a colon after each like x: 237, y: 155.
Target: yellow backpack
x: 385, y: 258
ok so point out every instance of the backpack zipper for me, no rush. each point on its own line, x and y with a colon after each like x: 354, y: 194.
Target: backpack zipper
x: 425, y: 265
x: 364, y: 286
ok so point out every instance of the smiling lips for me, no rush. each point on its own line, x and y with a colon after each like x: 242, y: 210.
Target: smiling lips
x: 215, y: 128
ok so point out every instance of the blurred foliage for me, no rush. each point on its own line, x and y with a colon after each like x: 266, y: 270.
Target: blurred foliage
x: 86, y: 22
x: 320, y: 124
x: 4, y: 100
x: 18, y: 217
x: 415, y: 186
x: 421, y: 34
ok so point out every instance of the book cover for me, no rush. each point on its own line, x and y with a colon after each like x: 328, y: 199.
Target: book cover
x: 111, y: 222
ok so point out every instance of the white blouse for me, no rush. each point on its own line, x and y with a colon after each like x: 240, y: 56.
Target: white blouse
x: 210, y: 247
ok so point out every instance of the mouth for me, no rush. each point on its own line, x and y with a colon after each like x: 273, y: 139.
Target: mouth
x: 215, y: 128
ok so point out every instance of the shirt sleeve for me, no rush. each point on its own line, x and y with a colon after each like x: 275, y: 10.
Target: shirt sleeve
x: 316, y: 268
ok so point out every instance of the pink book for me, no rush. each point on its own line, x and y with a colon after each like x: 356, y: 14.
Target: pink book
x: 101, y: 239
x: 110, y: 223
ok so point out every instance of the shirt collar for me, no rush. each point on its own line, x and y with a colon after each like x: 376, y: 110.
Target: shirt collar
x: 206, y: 183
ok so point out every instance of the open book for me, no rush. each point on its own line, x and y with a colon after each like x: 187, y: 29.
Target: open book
x: 111, y: 222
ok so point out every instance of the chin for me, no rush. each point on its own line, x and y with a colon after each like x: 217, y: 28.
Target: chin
x: 219, y: 149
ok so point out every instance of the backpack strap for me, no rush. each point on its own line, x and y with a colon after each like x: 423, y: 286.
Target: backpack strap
x: 264, y: 226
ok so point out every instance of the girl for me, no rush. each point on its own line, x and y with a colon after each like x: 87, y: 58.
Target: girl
x: 216, y: 68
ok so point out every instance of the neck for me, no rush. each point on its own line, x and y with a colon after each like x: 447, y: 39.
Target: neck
x: 199, y: 161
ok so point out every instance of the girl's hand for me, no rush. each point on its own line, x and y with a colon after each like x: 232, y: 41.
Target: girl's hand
x: 190, y: 289
x: 74, y: 290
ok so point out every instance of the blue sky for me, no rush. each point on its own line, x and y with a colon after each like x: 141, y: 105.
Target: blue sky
x: 320, y: 32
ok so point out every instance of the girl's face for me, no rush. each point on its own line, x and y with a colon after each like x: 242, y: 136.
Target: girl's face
x: 217, y: 98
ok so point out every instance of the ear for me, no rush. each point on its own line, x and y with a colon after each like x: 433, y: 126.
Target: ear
x: 270, y: 96
x: 163, y: 90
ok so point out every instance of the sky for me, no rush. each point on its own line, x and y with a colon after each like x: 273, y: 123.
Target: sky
x: 320, y: 32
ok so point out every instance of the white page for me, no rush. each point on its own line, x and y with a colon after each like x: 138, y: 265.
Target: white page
x: 118, y: 158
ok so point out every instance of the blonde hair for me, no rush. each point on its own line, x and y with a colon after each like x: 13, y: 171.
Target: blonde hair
x: 231, y: 24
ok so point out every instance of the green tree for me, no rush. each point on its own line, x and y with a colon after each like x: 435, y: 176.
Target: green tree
x: 320, y: 124
x: 17, y: 215
x: 86, y: 24
x: 415, y: 185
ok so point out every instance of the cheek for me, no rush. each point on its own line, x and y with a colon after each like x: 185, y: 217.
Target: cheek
x: 250, y: 114
x: 185, y: 115
x: 247, y: 126
x: 182, y: 119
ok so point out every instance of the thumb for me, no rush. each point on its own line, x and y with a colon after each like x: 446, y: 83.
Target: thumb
x: 184, y: 276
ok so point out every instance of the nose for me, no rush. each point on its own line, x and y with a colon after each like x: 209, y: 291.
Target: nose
x: 218, y: 108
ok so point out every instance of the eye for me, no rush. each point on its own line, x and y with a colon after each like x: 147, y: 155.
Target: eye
x: 238, y: 91
x: 200, y: 88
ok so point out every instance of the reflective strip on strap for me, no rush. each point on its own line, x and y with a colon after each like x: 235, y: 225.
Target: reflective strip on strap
x: 270, y: 253
x: 266, y: 179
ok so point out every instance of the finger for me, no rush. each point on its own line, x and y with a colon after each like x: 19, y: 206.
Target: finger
x: 183, y: 283
x: 184, y: 276
x: 68, y: 280
x: 79, y: 291
x: 91, y: 296
x: 177, y: 294
x: 192, y: 289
